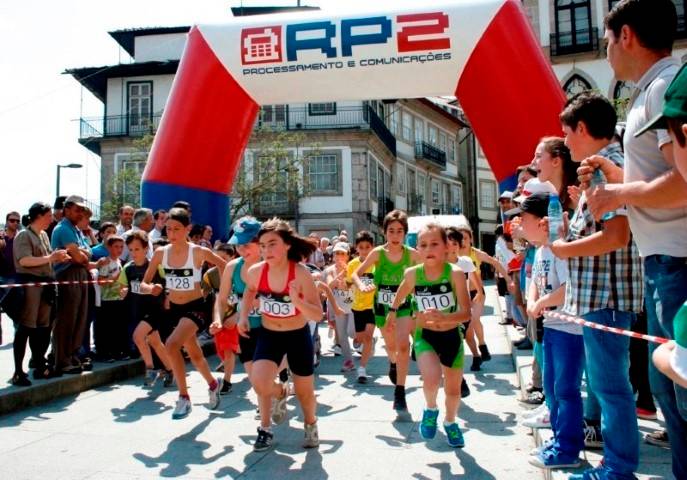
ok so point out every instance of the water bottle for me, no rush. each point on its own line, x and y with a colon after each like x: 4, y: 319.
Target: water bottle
x: 598, y: 178
x: 555, y: 214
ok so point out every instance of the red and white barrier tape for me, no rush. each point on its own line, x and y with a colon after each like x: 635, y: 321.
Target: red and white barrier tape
x: 596, y: 326
x: 66, y: 282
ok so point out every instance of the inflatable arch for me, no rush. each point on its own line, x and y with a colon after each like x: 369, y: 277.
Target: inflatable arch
x: 482, y: 51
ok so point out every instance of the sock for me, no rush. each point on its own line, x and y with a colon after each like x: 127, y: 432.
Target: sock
x: 213, y: 384
x: 448, y: 424
x: 400, y: 389
x: 435, y: 409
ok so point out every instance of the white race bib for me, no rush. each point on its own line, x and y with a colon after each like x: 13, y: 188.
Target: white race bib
x: 385, y: 296
x: 367, y: 280
x: 135, y: 287
x: 442, y: 301
x: 275, y: 308
x: 181, y: 284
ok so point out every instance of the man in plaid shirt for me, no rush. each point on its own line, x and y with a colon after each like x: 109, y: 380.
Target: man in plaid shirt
x: 604, y: 286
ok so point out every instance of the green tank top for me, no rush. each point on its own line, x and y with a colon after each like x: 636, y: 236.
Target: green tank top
x: 388, y: 276
x: 435, y: 294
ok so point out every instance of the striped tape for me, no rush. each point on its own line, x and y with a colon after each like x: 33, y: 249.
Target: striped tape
x: 65, y: 282
x: 604, y: 328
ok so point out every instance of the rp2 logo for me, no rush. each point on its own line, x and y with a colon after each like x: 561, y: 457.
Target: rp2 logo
x: 415, y: 32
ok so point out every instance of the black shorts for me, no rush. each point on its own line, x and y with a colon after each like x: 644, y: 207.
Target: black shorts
x: 447, y: 345
x: 248, y: 345
x: 194, y: 311
x: 297, y: 345
x: 362, y: 318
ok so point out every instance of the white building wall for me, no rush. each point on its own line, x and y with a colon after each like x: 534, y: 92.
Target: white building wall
x: 117, y: 93
x: 159, y: 47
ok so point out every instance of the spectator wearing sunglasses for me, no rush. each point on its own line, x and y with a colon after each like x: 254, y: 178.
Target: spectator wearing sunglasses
x: 12, y: 226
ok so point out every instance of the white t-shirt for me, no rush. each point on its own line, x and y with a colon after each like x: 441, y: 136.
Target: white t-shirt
x: 548, y: 274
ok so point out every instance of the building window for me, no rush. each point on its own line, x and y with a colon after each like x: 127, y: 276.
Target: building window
x: 573, y: 27
x: 393, y: 121
x: 487, y: 194
x: 279, y: 195
x: 401, y: 176
x: 451, y: 154
x: 140, y: 107
x: 322, y: 108
x: 273, y: 114
x: 456, y: 204
x: 421, y: 187
x: 419, y: 128
x: 576, y: 84
x: 372, y: 167
x: 436, y: 192
x: 324, y: 175
x: 432, y: 134
x: 442, y: 141
x: 407, y: 128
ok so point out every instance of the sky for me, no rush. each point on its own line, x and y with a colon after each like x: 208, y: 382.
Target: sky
x: 40, y: 107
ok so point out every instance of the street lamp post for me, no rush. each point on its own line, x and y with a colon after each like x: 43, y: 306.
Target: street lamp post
x: 59, y: 167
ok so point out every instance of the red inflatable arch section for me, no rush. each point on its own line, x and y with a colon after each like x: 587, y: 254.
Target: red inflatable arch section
x: 482, y: 51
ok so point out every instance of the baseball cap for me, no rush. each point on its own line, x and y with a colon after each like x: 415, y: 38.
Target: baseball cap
x: 537, y: 204
x: 675, y: 105
x: 75, y: 200
x: 507, y: 194
x: 341, y: 247
x: 245, y: 230
x: 534, y: 185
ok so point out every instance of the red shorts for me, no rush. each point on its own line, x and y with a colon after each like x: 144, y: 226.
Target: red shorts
x: 227, y: 339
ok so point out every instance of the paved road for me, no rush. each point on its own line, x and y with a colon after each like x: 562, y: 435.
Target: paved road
x: 124, y: 432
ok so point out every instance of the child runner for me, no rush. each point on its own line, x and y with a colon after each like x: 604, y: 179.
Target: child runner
x: 363, y: 302
x: 288, y: 298
x: 440, y: 298
x: 182, y: 262
x: 145, y: 309
x: 335, y: 276
x: 390, y: 261
x: 110, y: 325
x: 227, y: 338
x: 232, y: 288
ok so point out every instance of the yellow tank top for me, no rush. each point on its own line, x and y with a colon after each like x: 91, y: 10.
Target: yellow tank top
x: 361, y: 301
x: 476, y: 261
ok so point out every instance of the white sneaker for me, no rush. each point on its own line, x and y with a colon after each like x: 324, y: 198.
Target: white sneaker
x: 182, y: 408
x: 533, y: 413
x: 362, y: 375
x: 312, y: 437
x: 542, y: 420
x: 279, y: 407
x: 213, y: 395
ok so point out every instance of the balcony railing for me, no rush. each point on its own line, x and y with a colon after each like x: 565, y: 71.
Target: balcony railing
x: 276, y: 206
x: 429, y: 152
x: 119, y: 126
x: 579, y: 41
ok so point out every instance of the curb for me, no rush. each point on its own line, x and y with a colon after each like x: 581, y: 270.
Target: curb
x: 43, y: 391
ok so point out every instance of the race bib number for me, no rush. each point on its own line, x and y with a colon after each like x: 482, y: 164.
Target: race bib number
x: 437, y: 297
x: 343, y: 297
x: 367, y: 280
x: 386, y: 294
x: 135, y: 287
x: 183, y: 284
x: 276, y: 308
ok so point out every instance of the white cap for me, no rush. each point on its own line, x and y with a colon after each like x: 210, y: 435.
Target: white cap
x: 534, y: 185
x: 506, y: 195
x: 341, y: 247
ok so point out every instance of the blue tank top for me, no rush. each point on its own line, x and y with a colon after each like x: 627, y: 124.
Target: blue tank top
x: 238, y: 287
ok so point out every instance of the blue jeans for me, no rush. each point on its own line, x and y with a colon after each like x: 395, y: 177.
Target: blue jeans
x: 665, y: 280
x: 608, y: 363
x: 564, y: 359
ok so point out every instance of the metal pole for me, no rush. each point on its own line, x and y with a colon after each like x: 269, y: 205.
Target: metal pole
x: 57, y: 186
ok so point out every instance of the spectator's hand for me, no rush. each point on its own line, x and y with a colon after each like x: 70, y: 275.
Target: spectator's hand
x: 534, y: 310
x: 603, y: 199
x: 368, y: 288
x: 59, y: 256
x: 156, y: 290
x: 574, y: 192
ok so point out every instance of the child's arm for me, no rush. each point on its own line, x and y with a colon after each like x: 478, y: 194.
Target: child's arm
x: 615, y: 235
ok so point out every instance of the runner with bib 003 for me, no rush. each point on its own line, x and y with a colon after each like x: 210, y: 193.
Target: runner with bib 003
x: 390, y: 261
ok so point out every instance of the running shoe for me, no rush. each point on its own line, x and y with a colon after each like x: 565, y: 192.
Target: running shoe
x: 645, y: 414
x: 464, y: 389
x: 540, y: 421
x: 226, y: 388
x: 311, y: 437
x: 213, y: 395
x: 428, y: 425
x: 336, y: 350
x: 544, y: 446
x: 264, y: 440
x: 598, y: 473
x: 531, y: 389
x: 593, y: 437
x: 362, y: 375
x: 279, y: 407
x: 554, y: 458
x: 535, y: 412
x: 476, y: 364
x: 149, y: 378
x: 182, y: 408
x: 484, y: 351
x: 392, y: 373
x: 167, y: 378
x: 659, y: 438
x: 358, y: 348
x: 454, y: 436
x: 348, y: 366
x: 400, y: 404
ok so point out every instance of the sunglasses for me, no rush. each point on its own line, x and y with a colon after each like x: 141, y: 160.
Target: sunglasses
x: 12, y: 220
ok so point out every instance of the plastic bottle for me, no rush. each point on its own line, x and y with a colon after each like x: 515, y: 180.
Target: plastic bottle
x: 555, y: 214
x: 598, y: 178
